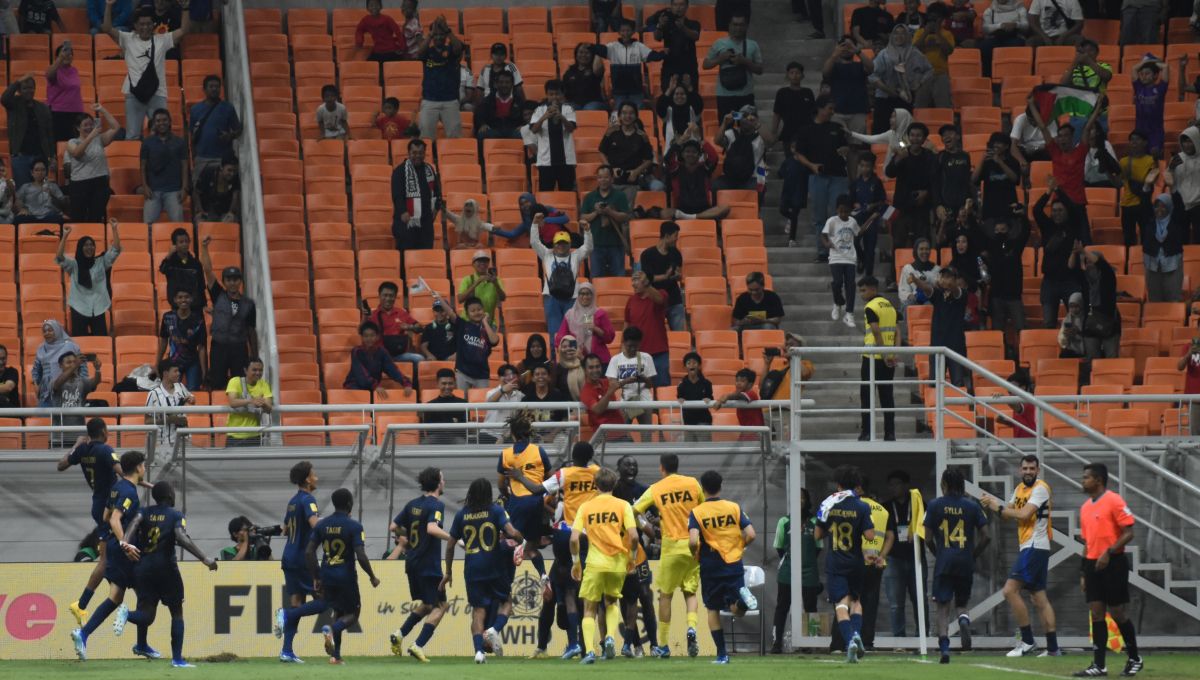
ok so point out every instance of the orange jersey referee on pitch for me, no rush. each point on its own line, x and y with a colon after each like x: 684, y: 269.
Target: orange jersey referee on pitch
x: 1107, y: 527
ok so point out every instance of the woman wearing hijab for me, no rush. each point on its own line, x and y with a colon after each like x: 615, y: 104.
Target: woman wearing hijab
x: 55, y: 343
x: 965, y: 259
x: 89, y: 298
x: 678, y: 108
x: 568, y: 373
x: 920, y: 268
x: 536, y: 354
x: 1102, y: 325
x: 588, y: 323
x: 894, y: 136
x: 530, y: 207
x: 1070, y: 333
x: 1162, y: 249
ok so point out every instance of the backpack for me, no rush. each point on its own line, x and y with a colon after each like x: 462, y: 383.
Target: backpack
x: 735, y: 77
x: 739, y: 158
x: 561, y: 283
x: 147, y: 85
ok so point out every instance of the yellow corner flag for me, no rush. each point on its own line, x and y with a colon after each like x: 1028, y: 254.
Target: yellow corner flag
x: 917, y: 512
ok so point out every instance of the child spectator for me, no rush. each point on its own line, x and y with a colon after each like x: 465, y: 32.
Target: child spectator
x: 474, y: 342
x: 1149, y: 101
x: 694, y: 387
x: 870, y: 201
x: 743, y: 385
x: 634, y: 369
x: 391, y: 123
x: 1139, y: 173
x: 370, y: 361
x: 468, y: 224
x: 332, y: 120
x: 387, y: 39
x: 838, y: 236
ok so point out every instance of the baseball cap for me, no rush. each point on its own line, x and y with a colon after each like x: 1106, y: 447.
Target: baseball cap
x: 231, y: 273
x: 437, y: 303
x: 562, y: 237
x: 481, y: 255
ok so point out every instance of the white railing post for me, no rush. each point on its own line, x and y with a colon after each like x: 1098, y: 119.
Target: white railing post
x: 939, y: 361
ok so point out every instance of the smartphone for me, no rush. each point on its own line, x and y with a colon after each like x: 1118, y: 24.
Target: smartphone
x: 737, y: 115
x: 573, y: 344
x: 491, y: 271
x: 772, y: 351
x: 90, y: 357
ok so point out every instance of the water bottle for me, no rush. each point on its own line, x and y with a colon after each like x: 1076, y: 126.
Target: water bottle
x: 814, y: 626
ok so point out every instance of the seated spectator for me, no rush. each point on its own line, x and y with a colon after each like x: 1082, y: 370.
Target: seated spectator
x: 960, y: 21
x: 483, y: 284
x: 568, y: 372
x: 218, y: 192
x: 387, y: 39
x: 1005, y: 24
x: 167, y: 396
x: 553, y: 127
x: 215, y: 126
x: 646, y: 309
x: 55, y: 344
x: 678, y: 108
x: 606, y: 15
x: 870, y: 25
x: 40, y: 200
x: 921, y: 268
x: 663, y: 265
x: 468, y: 225
x: 1070, y: 333
x: 745, y: 152
x: 466, y: 90
x: 634, y: 372
x: 183, y: 339
x: 536, y: 354
x: 251, y: 398
x: 145, y: 88
x: 70, y: 389
x: 416, y: 199
x: 446, y: 395
x: 30, y: 127
x: 89, y: 298
x: 391, y: 123
x: 1055, y: 22
x: 474, y: 341
x: 488, y: 80
x: 182, y: 270
x: 87, y: 164
x: 541, y: 390
x: 691, y: 188
x: 608, y: 212
x: 370, y: 362
x: 1162, y: 249
x: 936, y: 43
x: 164, y: 169
x: 10, y: 393
x: 35, y: 16
x: 626, y: 56
x: 438, y: 339
x: 599, y: 391
x: 529, y: 207
x: 440, y: 55
x: 583, y: 82
x: 8, y: 194
x: 498, y: 116
x: 1028, y: 145
x: 333, y: 122
x: 1102, y: 326
x: 509, y: 391
x: 64, y: 95
x: 122, y: 14
x: 560, y: 268
x: 588, y: 323
x: 626, y: 148
x: 757, y: 307
x: 395, y: 324
x: 695, y: 387
x: 744, y: 391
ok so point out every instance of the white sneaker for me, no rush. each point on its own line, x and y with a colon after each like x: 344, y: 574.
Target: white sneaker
x: 493, y: 638
x: 1022, y: 649
x: 480, y: 657
x: 848, y: 320
x: 836, y: 312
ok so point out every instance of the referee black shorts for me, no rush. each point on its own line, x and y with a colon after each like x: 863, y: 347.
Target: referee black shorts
x: 1109, y: 585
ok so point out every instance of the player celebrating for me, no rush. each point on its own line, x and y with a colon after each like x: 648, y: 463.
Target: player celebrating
x: 637, y: 585
x: 718, y: 533
x: 478, y: 526
x: 123, y: 506
x: 1030, y: 507
x: 98, y: 461
x: 157, y: 529
x: 575, y: 484
x: 338, y: 536
x: 608, y: 523
x: 958, y: 529
x: 524, y: 507
x: 847, y: 521
x: 301, y: 516
x: 675, y: 496
x: 419, y: 535
x: 1106, y: 525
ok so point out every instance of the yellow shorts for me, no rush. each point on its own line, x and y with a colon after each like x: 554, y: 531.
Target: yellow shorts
x: 598, y: 584
x: 678, y: 572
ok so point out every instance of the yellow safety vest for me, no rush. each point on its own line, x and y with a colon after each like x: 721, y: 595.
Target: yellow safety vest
x: 886, y: 314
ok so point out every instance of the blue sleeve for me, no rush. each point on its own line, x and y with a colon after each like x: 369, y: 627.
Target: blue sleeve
x: 545, y: 462
x: 555, y: 216
x: 307, y: 511
x: 95, y: 12
x: 501, y: 516
x: 981, y: 518
x: 745, y: 521
x: 520, y: 230
x: 357, y: 539
x: 456, y: 527
x: 389, y: 367
x: 692, y: 523
x: 500, y: 463
x: 317, y: 535
x: 439, y: 511
x: 73, y: 459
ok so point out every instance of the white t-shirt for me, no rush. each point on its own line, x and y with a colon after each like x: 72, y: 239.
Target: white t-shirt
x: 621, y: 367
x: 1053, y: 22
x: 167, y: 401
x: 1026, y: 134
x: 543, y: 135
x: 497, y: 417
x: 137, y: 56
x: 484, y: 82
x: 333, y: 123
x: 841, y: 240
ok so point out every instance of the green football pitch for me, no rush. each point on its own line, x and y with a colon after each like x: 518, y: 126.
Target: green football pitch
x: 976, y: 666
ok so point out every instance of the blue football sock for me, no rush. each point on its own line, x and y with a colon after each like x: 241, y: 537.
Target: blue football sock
x: 410, y: 623
x: 86, y: 597
x: 856, y: 623
x: 501, y: 620
x: 1051, y: 640
x: 337, y: 640
x: 289, y: 632
x: 944, y: 644
x: 142, y: 631
x: 718, y: 637
x: 106, y: 608
x: 477, y: 640
x: 539, y: 565
x: 177, y: 639
x: 426, y: 633
x: 847, y: 630
x: 338, y: 626
x: 1027, y: 635
x: 572, y: 628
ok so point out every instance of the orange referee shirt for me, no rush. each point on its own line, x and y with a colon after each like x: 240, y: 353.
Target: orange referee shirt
x: 1101, y: 521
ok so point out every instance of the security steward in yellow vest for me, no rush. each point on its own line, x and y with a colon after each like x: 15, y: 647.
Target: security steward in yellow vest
x: 880, y: 322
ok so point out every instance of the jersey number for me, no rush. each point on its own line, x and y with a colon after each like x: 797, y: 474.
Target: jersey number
x: 152, y: 537
x: 843, y: 536
x: 414, y: 533
x: 483, y: 538
x: 291, y: 530
x: 955, y: 534
x: 335, y: 552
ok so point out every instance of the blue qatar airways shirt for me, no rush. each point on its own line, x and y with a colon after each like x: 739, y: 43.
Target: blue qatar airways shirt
x: 421, y: 557
x: 472, y: 350
x: 296, y: 525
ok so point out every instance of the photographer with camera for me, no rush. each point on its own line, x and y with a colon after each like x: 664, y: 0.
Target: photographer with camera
x: 253, y: 543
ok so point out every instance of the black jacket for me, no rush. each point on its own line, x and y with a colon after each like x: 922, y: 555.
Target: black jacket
x: 1177, y: 231
x: 1058, y: 240
x: 486, y: 114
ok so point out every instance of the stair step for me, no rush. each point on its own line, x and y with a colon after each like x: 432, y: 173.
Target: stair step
x: 1162, y: 567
